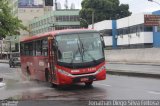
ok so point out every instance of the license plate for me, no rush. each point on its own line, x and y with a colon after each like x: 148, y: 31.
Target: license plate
x: 84, y: 79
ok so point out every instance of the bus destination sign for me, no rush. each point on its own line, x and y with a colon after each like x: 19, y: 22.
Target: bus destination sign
x: 152, y: 20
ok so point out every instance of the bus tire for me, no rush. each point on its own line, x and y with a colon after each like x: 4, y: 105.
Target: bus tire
x: 54, y: 85
x: 46, y: 75
x: 28, y: 73
x: 88, y: 84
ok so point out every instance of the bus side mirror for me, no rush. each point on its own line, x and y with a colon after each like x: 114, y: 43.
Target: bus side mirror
x: 102, y: 40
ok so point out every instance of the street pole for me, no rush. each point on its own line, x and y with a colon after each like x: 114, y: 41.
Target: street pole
x: 93, y: 19
x: 1, y: 48
x: 10, y: 50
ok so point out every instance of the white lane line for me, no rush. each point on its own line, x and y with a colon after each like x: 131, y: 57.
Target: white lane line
x: 154, y: 92
x: 104, y: 85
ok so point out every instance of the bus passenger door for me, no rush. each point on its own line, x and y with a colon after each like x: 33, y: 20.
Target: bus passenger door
x: 52, y: 61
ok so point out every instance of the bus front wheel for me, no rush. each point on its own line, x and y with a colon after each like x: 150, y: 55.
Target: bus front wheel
x: 54, y: 85
x: 47, y: 75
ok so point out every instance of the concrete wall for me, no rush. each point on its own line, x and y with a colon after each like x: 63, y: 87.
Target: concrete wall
x: 108, y: 40
x: 149, y: 55
x: 132, y: 20
x: 106, y: 24
x: 142, y: 37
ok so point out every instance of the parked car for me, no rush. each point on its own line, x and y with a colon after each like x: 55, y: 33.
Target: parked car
x: 15, y: 61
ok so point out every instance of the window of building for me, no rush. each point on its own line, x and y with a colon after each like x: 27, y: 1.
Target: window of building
x: 148, y: 28
x: 107, y: 32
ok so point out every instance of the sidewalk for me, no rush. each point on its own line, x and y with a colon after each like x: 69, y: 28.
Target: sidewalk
x: 4, y: 61
x: 131, y: 69
x: 135, y: 63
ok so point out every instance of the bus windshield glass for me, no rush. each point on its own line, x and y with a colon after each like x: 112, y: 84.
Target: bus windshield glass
x: 79, y: 48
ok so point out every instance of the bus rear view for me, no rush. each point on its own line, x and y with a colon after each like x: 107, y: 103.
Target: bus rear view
x: 80, y: 57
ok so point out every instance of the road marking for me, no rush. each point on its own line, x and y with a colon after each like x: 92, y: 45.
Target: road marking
x: 154, y: 92
x: 104, y: 85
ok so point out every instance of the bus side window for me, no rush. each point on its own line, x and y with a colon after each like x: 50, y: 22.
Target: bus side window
x: 28, y: 49
x: 22, y: 49
x: 39, y: 48
x: 45, y: 47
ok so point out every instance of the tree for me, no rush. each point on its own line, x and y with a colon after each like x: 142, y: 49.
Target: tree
x: 103, y: 10
x: 9, y: 25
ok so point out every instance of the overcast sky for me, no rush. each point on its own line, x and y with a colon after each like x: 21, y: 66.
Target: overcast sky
x: 136, y: 6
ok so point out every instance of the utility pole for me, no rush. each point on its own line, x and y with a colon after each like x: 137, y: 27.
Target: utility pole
x: 55, y: 4
x: 93, y: 19
x: 1, y: 48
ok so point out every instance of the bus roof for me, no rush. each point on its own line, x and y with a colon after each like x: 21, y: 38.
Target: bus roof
x: 53, y: 33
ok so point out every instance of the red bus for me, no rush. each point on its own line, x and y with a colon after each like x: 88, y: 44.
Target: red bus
x: 64, y: 57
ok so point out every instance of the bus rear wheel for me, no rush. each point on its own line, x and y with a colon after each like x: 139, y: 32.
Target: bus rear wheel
x: 54, y: 85
x: 88, y: 84
x: 47, y: 75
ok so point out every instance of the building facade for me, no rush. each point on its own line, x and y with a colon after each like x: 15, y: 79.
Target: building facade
x: 27, y: 10
x: 55, y: 20
x: 130, y: 32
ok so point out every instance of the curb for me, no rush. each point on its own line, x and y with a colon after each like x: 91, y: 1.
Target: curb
x: 151, y: 64
x: 4, y: 62
x: 133, y: 74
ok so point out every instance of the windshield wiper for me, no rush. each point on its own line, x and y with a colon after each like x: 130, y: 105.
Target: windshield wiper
x: 79, y: 50
x: 83, y: 50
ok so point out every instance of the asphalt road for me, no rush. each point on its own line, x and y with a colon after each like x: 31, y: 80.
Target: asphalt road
x: 113, y: 88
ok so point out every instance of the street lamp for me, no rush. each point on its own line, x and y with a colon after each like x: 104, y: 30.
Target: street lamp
x: 154, y: 1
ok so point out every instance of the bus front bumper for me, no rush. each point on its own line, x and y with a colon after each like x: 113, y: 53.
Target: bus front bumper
x: 70, y: 79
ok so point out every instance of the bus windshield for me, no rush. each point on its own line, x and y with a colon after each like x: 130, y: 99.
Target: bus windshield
x: 79, y: 48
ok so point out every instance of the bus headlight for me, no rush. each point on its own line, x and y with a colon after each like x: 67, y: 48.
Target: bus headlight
x: 64, y: 72
x: 101, y: 69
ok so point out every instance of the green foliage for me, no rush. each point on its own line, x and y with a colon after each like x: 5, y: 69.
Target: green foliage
x: 103, y: 10
x: 9, y: 25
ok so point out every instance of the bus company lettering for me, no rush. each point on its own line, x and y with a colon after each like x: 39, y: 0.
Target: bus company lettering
x: 29, y: 63
x: 41, y: 63
x: 91, y: 69
x: 88, y: 70
x: 75, y: 71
